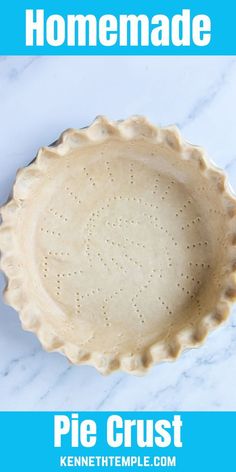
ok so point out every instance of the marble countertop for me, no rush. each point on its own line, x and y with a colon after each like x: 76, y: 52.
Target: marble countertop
x: 40, y: 97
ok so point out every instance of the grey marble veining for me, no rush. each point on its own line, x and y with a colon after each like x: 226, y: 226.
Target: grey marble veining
x: 39, y: 98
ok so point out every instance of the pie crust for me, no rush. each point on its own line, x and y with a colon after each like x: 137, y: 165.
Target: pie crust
x: 119, y: 245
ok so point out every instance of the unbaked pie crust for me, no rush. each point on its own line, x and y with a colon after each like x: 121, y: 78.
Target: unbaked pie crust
x: 119, y: 245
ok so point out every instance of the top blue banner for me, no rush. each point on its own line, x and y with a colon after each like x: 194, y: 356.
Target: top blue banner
x: 124, y: 27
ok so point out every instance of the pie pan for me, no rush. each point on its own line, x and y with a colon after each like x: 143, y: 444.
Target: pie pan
x: 119, y: 245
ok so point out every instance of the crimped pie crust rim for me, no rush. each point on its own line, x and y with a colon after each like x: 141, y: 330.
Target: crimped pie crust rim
x: 101, y: 129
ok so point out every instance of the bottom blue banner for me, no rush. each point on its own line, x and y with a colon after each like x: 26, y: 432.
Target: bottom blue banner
x: 178, y: 441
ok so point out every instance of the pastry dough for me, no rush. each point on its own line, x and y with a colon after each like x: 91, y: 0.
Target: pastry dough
x: 119, y: 245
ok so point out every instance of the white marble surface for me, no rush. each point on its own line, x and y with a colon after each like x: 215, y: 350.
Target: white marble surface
x: 39, y: 97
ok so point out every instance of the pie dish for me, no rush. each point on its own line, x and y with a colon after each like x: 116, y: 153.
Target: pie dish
x: 119, y: 245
